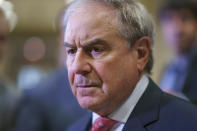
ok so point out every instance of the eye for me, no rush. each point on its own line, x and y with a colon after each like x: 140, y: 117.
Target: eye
x: 96, y: 52
x: 70, y: 51
x: 97, y: 49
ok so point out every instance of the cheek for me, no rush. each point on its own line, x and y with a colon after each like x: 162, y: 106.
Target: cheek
x: 70, y: 72
x: 118, y: 79
x: 71, y: 79
x: 105, y: 71
x: 116, y: 73
x: 70, y: 76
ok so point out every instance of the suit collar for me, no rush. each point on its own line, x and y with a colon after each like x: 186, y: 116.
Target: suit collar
x: 146, y: 110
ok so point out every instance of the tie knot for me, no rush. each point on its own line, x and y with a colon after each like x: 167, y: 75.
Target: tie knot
x: 103, y: 124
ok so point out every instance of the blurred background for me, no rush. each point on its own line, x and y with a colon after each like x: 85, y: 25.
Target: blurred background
x: 32, y: 48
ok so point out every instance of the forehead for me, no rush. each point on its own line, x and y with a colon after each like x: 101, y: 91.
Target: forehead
x: 91, y: 19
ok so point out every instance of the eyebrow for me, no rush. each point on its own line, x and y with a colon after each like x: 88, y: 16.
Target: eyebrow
x: 67, y: 45
x: 87, y: 44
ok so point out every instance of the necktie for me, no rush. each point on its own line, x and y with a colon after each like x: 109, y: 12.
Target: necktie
x: 103, y: 124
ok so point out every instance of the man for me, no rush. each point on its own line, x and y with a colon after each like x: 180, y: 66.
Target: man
x: 108, y: 45
x: 179, y: 26
x: 10, y: 99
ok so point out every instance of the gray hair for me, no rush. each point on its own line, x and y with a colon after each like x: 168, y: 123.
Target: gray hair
x: 134, y: 21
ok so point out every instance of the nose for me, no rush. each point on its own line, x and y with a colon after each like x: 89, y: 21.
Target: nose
x: 81, y: 64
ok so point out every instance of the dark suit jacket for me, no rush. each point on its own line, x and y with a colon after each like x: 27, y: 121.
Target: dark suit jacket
x: 50, y: 106
x: 155, y: 111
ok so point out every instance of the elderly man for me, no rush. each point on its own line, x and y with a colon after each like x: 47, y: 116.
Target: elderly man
x: 109, y: 52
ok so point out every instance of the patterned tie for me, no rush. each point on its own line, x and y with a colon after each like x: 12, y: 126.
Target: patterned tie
x: 103, y: 124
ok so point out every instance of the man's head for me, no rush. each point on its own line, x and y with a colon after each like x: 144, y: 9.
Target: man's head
x: 108, y: 45
x: 179, y: 24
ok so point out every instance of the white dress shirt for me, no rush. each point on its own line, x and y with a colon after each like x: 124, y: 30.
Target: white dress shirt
x: 123, y: 112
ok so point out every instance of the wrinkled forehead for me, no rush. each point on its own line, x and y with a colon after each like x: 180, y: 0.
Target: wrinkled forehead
x: 90, y: 22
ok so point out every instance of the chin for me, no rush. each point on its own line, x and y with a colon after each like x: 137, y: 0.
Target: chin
x: 90, y: 104
x: 95, y: 106
x: 86, y: 103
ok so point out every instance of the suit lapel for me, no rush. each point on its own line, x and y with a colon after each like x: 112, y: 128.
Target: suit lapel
x: 84, y: 124
x: 146, y: 111
x: 133, y: 124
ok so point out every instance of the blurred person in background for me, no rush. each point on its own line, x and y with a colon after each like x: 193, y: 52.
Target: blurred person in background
x: 10, y: 99
x: 178, y: 20
x: 50, y: 105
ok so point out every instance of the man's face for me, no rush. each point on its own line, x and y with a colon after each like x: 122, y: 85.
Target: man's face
x: 179, y: 28
x: 102, y: 69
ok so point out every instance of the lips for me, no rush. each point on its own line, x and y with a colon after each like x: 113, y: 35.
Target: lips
x: 86, y: 86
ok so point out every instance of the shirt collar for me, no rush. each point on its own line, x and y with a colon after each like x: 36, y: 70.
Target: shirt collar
x: 124, y: 111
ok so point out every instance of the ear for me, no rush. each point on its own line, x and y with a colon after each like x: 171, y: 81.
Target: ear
x: 142, y: 47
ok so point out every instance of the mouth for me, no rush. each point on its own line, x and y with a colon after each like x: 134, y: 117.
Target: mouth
x: 86, y: 90
x: 86, y: 86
